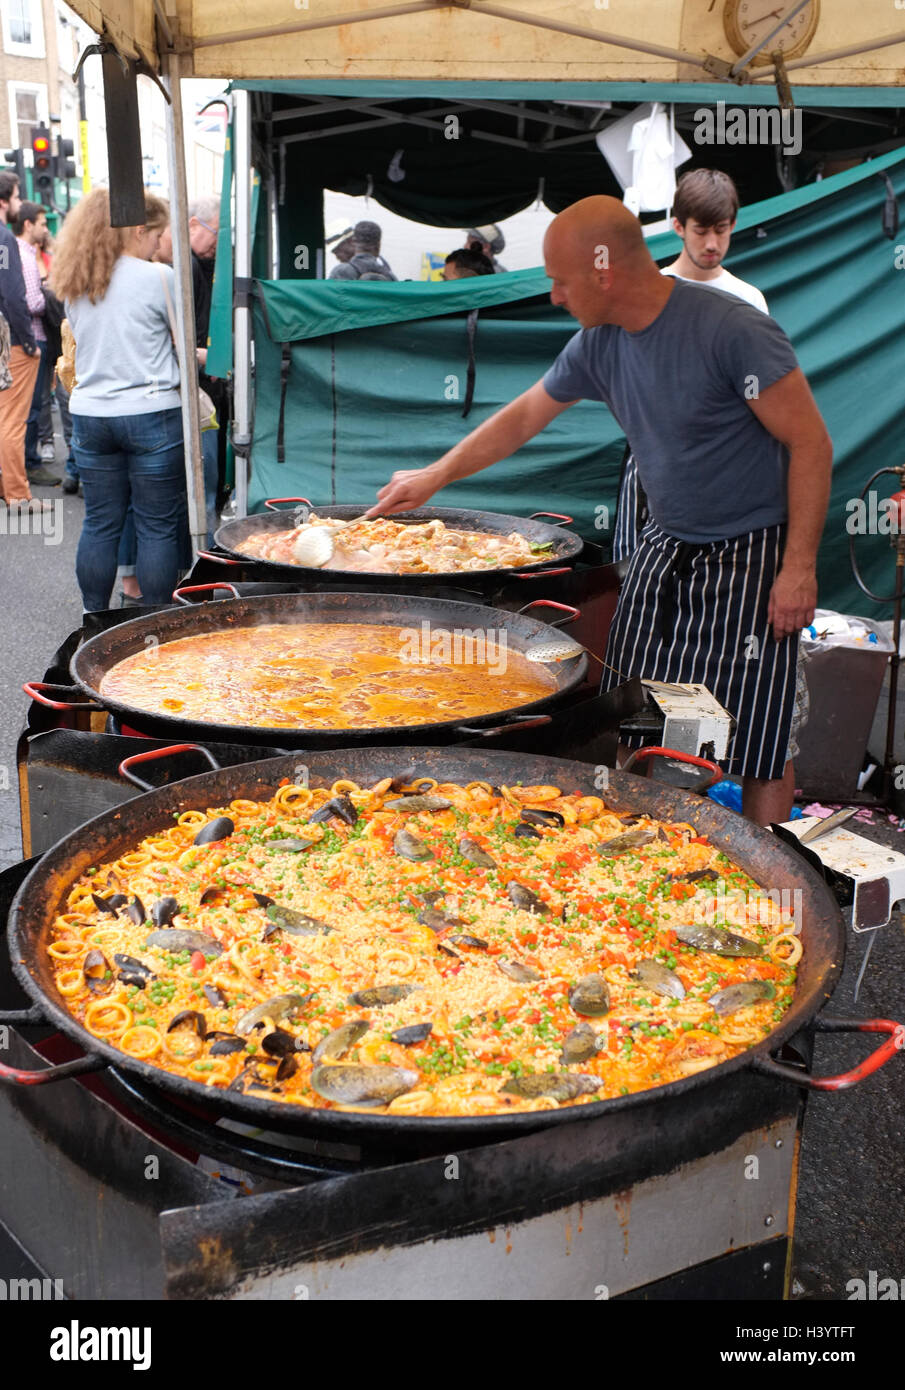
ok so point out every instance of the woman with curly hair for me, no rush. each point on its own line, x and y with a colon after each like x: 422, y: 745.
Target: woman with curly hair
x: 126, y: 417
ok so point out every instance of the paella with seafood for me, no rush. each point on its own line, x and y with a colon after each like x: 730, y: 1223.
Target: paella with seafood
x: 424, y: 949
x: 381, y: 546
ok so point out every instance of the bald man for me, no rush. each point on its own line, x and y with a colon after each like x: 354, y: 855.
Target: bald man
x: 735, y: 460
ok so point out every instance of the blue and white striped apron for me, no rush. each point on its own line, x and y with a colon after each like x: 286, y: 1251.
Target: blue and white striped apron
x: 698, y: 613
x: 631, y: 510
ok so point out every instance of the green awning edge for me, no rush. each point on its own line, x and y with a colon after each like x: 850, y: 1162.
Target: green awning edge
x: 706, y: 93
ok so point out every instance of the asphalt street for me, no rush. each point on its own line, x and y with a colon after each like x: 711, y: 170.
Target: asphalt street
x: 851, y: 1204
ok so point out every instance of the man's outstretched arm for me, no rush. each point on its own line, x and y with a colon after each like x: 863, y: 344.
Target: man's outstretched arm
x: 495, y: 439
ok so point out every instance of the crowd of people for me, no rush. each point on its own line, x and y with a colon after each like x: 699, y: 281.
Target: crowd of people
x: 357, y: 251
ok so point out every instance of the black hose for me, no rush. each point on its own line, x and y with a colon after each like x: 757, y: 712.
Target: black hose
x: 856, y: 573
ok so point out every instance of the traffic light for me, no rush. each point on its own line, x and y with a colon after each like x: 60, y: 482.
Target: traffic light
x: 63, y: 164
x: 43, y: 164
x: 15, y: 160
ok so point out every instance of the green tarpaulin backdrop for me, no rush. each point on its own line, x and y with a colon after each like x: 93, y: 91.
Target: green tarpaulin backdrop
x: 378, y: 382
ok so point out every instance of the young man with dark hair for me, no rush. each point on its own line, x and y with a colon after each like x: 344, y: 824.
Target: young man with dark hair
x: 24, y: 358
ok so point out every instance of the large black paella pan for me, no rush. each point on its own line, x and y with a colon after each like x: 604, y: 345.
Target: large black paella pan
x: 44, y: 892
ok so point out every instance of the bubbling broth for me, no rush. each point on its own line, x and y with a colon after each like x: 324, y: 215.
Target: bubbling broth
x: 329, y: 676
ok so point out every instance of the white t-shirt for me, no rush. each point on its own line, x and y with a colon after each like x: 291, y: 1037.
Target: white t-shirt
x: 731, y: 284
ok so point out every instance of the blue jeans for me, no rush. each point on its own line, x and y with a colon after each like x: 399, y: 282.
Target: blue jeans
x: 32, y: 457
x: 137, y: 458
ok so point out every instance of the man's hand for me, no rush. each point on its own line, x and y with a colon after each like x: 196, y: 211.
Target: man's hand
x: 793, y: 599
x: 406, y: 490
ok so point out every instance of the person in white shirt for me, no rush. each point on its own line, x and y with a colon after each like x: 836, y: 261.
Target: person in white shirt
x: 704, y: 216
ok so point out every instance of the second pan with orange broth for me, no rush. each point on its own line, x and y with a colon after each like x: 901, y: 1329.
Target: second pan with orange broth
x: 426, y: 621
x: 757, y: 852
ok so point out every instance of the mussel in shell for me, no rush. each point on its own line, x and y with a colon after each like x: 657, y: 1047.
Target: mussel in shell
x: 163, y: 911
x: 263, y: 900
x: 579, y: 1045
x: 473, y: 943
x: 417, y: 803
x: 180, y: 939
x: 527, y: 832
x: 523, y: 898
x: 251, y: 1079
x: 535, y: 815
x: 295, y: 923
x: 410, y: 847
x: 191, y: 1017
x: 96, y: 971
x: 352, y: 1084
x: 215, y: 996
x: 741, y: 996
x: 471, y: 850
x: 280, y: 1006
x: 448, y: 951
x: 695, y: 876
x: 336, y: 1044
x: 437, y: 921
x: 412, y: 1033
x: 226, y: 1043
x: 706, y: 937
x: 220, y: 828
x: 290, y: 844
x: 279, y: 1043
x: 132, y: 971
x: 136, y: 911
x: 381, y: 995
x: 288, y: 1066
x: 340, y: 806
x: 631, y: 839
x: 590, y: 996
x: 562, y: 1085
x: 109, y: 905
x: 522, y: 974
x: 659, y: 978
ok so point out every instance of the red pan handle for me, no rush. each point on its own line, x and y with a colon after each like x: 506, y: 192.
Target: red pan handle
x: 125, y: 767
x: 895, y: 1042
x: 217, y: 559
x: 202, y: 589
x: 572, y: 613
x: 271, y: 502
x: 17, y: 1076
x: 560, y: 516
x: 542, y: 574
x: 642, y: 753
x: 34, y: 690
x: 519, y: 722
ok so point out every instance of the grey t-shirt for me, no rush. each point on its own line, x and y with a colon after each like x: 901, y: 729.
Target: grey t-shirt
x: 125, y: 362
x: 680, y: 390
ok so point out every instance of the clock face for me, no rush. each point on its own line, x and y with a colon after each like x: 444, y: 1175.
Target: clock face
x: 747, y: 22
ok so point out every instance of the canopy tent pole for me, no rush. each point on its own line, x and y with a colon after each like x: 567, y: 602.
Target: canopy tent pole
x: 242, y: 306
x: 185, y: 303
x: 833, y: 55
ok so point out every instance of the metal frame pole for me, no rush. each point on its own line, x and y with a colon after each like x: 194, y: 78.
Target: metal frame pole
x: 242, y: 307
x: 185, y: 303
